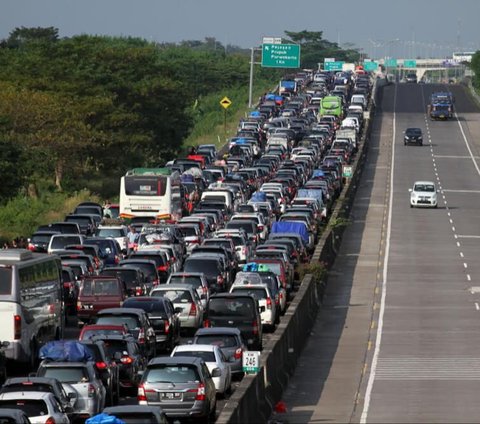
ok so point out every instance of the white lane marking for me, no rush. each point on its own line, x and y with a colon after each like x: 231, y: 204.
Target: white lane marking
x: 451, y: 221
x: 468, y: 145
x: 477, y: 306
x: 466, y: 236
x: 461, y: 254
x: 453, y: 229
x: 378, y: 339
x: 455, y: 157
x: 469, y: 278
x: 448, y: 214
x: 458, y: 244
x: 465, y: 265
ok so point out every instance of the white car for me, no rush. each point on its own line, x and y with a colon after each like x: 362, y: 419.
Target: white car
x: 117, y: 232
x: 214, y: 358
x: 423, y: 194
x: 40, y: 407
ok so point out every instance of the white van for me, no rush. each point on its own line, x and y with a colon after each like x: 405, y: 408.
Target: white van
x: 359, y: 99
x: 225, y: 196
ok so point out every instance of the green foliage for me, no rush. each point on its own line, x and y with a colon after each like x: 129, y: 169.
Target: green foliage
x: 317, y: 269
x: 475, y: 66
x: 22, y: 215
x: 314, y: 48
x: 11, y: 168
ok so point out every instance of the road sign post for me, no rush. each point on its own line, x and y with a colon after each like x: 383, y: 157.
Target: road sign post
x: 280, y: 55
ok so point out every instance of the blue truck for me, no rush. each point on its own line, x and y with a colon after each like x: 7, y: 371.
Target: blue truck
x: 441, y: 106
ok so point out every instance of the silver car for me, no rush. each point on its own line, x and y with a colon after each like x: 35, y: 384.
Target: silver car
x: 195, y: 279
x: 185, y: 297
x: 182, y: 386
x: 80, y: 381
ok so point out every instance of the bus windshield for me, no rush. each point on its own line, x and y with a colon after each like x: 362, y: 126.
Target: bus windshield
x: 145, y: 185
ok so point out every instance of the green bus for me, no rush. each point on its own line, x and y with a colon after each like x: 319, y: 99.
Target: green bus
x: 331, y: 105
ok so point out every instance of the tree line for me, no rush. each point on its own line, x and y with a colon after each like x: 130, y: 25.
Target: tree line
x: 84, y: 107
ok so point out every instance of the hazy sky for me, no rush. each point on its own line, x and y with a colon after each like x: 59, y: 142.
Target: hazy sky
x: 400, y: 28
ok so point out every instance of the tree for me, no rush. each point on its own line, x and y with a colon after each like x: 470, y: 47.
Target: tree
x: 22, y: 35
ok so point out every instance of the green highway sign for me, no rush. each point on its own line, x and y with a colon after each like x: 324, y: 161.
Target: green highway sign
x: 333, y: 66
x: 370, y: 66
x: 280, y: 55
x: 391, y: 63
x: 409, y: 63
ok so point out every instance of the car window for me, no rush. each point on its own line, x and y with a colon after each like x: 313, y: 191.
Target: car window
x: 113, y: 346
x: 31, y: 407
x: 241, y: 307
x: 67, y: 374
x: 136, y: 417
x: 172, y: 374
x: 130, y: 321
x: 176, y: 296
x: 31, y: 387
x: 219, y: 340
x: 206, y: 356
x: 259, y: 293
x: 192, y: 280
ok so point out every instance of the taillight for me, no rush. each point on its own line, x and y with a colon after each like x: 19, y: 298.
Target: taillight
x: 91, y: 391
x: 220, y: 280
x: 193, y: 310
x: 166, y: 325
x: 17, y: 327
x: 204, y: 291
x: 90, y: 269
x: 269, y: 303
x: 200, y: 392
x: 141, y: 394
x: 238, y: 353
x: 244, y: 250
x: 162, y: 268
x: 79, y: 306
x: 141, y: 336
x: 126, y: 360
x: 206, y: 323
x: 138, y: 291
x: 31, y: 247
x: 50, y: 420
x: 117, y: 259
x: 101, y: 365
x: 260, y: 227
x: 255, y: 327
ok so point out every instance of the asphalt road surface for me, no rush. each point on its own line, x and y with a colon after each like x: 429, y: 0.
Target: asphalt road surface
x: 397, y: 338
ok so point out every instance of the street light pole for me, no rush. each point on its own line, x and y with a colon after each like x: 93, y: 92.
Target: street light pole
x: 250, y: 86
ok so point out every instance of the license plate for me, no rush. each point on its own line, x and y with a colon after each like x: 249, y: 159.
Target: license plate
x: 171, y: 396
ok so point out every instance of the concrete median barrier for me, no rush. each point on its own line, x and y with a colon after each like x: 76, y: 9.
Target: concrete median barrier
x: 256, y: 397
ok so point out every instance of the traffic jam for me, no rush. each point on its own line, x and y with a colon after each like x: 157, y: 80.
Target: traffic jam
x: 165, y: 291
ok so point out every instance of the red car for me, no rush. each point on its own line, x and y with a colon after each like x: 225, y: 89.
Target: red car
x: 91, y: 330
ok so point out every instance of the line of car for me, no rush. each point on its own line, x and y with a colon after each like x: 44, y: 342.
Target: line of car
x: 222, y: 275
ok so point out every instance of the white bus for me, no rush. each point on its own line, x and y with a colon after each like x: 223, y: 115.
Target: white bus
x: 31, y: 302
x: 153, y: 192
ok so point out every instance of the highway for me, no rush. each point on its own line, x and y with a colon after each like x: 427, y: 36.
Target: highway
x: 396, y: 339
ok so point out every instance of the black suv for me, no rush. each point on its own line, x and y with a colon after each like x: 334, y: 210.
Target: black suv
x: 236, y: 310
x: 128, y: 357
x: 106, y: 367
x: 413, y: 135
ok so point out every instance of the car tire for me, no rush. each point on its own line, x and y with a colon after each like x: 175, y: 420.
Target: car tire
x: 411, y: 205
x: 404, y: 143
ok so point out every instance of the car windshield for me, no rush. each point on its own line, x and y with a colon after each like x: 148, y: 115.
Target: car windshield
x: 208, y: 267
x: 206, y: 356
x: 129, y: 320
x: 104, y: 287
x: 220, y: 340
x: 109, y: 232
x: 113, y: 346
x: 172, y: 374
x: 241, y: 307
x: 430, y: 188
x: 67, y: 374
x: 59, y: 242
x: 136, y: 417
x: 149, y: 306
x: 31, y: 407
x: 129, y: 275
x: 190, y: 279
x: 28, y: 387
x: 41, y: 238
x: 176, y: 296
x: 88, y: 334
x: 259, y: 293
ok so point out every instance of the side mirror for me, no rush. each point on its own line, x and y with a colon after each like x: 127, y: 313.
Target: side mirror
x: 178, y: 310
x: 261, y: 309
x: 71, y: 395
x: 216, y: 372
x: 410, y: 190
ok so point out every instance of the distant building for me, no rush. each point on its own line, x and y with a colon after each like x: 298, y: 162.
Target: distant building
x: 463, y: 56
